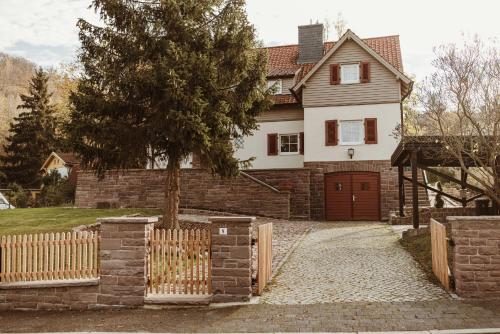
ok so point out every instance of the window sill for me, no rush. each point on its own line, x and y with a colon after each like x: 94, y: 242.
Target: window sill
x: 351, y: 144
x: 289, y: 153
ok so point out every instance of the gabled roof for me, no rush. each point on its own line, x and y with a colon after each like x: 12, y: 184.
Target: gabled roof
x: 395, y: 68
x: 69, y: 159
x: 282, y: 60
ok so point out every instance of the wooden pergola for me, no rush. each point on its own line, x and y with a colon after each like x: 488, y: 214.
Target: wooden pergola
x: 425, y: 152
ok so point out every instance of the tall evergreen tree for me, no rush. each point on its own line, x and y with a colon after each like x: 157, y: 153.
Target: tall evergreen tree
x: 32, y: 134
x: 167, y: 78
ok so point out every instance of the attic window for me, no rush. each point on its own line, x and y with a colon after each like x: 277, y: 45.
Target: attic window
x: 349, y: 73
x: 277, y: 85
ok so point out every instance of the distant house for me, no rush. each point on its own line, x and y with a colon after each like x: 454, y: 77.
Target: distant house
x: 66, y: 165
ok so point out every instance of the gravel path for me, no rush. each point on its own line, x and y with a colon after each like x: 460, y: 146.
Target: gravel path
x: 350, y: 262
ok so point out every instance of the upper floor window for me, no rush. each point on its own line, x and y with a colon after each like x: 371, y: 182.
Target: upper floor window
x: 289, y: 144
x: 349, y: 73
x: 351, y: 132
x: 277, y: 85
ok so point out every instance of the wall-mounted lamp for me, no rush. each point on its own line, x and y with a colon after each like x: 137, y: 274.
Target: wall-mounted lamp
x: 350, y: 152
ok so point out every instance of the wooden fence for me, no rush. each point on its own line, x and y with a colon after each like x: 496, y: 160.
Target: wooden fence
x: 264, y: 256
x: 179, y: 262
x: 54, y: 256
x: 439, y: 247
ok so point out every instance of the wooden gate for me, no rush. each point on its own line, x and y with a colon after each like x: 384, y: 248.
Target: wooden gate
x: 179, y: 262
x: 264, y: 256
x: 439, y: 247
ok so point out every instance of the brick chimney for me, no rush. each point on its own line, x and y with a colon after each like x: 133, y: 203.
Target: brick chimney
x: 310, y: 43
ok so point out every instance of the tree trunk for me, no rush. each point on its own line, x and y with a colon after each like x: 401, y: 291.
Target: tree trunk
x: 172, y: 193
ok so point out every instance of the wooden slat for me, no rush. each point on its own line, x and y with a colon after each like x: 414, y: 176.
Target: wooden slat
x: 53, y: 256
x: 179, y: 262
x: 264, y: 256
x: 440, y: 253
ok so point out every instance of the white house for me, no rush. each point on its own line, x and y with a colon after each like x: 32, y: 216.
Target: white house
x: 336, y: 106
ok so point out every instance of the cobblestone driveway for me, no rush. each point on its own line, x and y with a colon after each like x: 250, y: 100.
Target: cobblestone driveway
x: 350, y: 262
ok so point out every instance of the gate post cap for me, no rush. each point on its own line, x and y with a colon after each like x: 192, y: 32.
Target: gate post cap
x: 231, y: 219
x: 128, y: 220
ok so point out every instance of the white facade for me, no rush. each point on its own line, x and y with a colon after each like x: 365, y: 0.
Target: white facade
x: 387, y: 115
x: 256, y: 146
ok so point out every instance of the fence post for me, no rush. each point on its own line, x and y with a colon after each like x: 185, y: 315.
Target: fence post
x: 231, y: 258
x: 123, y: 257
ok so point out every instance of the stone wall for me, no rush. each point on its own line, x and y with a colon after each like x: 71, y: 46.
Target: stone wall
x: 295, y: 181
x: 75, y: 295
x: 388, y: 183
x: 199, y: 189
x: 232, y: 259
x: 476, y: 256
x: 425, y: 214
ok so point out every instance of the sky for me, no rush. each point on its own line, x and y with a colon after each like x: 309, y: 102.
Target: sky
x: 44, y: 31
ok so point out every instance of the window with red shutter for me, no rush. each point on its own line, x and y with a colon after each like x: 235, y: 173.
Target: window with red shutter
x: 331, y: 133
x: 370, y: 130
x: 301, y: 143
x: 334, y: 74
x: 364, y: 72
x: 272, y: 144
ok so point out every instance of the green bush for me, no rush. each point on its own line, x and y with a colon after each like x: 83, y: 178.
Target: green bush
x: 18, y: 197
x: 439, y: 202
x: 56, y: 190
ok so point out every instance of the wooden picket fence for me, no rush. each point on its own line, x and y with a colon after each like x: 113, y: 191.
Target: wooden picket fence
x: 49, y: 256
x: 264, y: 256
x: 179, y: 262
x: 439, y: 246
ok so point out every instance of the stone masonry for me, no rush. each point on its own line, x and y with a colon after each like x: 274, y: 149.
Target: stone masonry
x: 388, y: 183
x: 231, y: 259
x: 123, y: 255
x: 476, y: 256
x: 296, y: 181
x: 199, y: 189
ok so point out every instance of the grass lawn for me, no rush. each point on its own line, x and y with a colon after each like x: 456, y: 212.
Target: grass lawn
x: 20, y: 221
x: 420, y: 248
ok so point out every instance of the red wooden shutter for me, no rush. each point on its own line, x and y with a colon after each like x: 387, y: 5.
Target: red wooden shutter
x: 331, y: 136
x: 301, y: 143
x: 272, y: 144
x: 364, y: 72
x: 370, y: 130
x: 334, y: 74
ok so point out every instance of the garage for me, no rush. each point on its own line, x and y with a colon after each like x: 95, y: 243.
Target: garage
x: 352, y: 196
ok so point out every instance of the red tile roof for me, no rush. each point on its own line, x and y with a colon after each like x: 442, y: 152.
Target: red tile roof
x: 282, y: 60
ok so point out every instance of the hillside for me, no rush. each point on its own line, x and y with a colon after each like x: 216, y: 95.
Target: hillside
x: 15, y: 74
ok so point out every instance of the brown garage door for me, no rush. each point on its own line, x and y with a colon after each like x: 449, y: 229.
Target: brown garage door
x: 352, y: 196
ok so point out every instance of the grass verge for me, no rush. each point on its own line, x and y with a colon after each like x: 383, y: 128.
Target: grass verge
x: 420, y: 249
x: 37, y: 220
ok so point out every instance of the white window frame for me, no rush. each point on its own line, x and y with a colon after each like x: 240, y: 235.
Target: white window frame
x: 279, y: 86
x: 346, y: 67
x: 298, y: 143
x: 362, y: 132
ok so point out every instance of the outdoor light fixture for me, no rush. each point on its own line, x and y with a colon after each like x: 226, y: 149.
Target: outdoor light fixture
x: 350, y: 152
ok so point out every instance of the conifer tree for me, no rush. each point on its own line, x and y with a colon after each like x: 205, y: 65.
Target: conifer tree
x: 167, y: 78
x: 32, y: 135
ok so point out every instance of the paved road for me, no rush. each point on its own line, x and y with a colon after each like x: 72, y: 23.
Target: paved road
x: 351, y: 262
x: 342, y: 317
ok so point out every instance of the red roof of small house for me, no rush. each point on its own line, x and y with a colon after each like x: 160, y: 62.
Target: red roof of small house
x: 282, y: 60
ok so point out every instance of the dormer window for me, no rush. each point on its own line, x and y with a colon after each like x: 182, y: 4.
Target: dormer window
x: 349, y: 73
x: 277, y: 85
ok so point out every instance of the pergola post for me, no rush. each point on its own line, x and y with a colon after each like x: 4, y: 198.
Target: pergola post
x: 401, y: 188
x: 463, y: 184
x: 414, y: 188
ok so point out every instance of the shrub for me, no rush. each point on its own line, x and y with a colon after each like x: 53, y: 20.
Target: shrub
x: 56, y: 190
x: 18, y: 197
x: 439, y: 202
